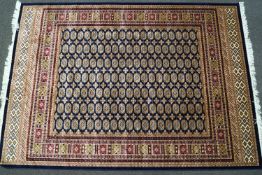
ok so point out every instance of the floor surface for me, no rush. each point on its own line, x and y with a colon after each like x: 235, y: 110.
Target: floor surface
x: 254, y: 17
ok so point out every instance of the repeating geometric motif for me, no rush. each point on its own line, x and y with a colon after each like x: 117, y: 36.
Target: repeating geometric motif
x: 97, y: 94
x: 119, y: 80
x: 241, y: 88
x: 207, y: 148
x: 18, y: 86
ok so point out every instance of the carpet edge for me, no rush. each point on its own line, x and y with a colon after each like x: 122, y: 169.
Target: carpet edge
x: 7, y: 65
x: 15, y: 27
x: 251, y: 64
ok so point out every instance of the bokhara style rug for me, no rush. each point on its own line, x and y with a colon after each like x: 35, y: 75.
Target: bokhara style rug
x: 130, y: 86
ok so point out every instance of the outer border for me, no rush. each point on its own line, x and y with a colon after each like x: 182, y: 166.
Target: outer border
x: 252, y: 71
x: 7, y: 65
x: 249, y: 61
x: 139, y: 168
x: 8, y: 71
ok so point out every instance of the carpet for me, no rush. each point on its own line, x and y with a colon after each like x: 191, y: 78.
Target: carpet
x: 130, y: 86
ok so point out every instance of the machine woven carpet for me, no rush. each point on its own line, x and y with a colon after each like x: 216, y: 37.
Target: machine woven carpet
x: 122, y: 85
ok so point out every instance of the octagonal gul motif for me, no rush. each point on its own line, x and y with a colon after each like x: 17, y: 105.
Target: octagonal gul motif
x: 130, y: 86
x: 139, y: 80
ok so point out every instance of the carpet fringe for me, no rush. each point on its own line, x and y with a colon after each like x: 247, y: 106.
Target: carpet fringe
x: 251, y: 63
x: 7, y: 65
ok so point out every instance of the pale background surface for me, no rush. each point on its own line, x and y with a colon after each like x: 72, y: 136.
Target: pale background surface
x: 254, y: 17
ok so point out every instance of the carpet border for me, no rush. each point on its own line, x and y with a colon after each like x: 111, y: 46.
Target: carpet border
x: 8, y: 69
x: 137, y: 168
x: 252, y: 71
x: 7, y: 66
x: 249, y: 61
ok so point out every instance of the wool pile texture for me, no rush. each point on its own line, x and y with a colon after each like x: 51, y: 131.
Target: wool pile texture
x: 130, y: 86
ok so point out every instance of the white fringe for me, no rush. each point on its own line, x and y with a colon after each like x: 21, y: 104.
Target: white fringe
x: 250, y: 57
x: 7, y: 66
